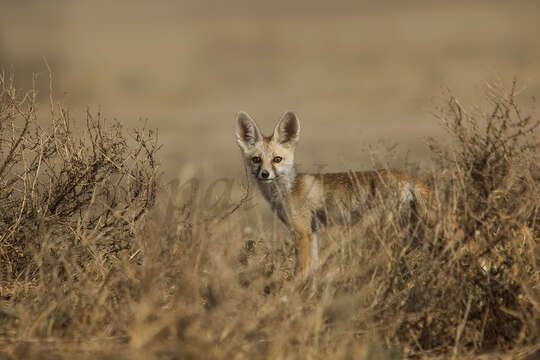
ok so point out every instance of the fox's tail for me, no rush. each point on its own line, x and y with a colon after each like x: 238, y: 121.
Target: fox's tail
x: 428, y: 206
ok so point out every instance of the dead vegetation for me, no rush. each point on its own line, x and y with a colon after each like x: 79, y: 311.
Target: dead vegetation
x: 88, y: 268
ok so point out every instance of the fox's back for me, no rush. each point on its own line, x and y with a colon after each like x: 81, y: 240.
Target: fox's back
x: 343, y: 196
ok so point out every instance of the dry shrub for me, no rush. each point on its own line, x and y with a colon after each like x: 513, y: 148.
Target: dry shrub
x: 491, y: 180
x: 201, y: 277
x: 69, y: 199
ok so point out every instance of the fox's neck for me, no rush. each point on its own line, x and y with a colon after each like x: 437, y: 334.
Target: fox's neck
x: 277, y: 191
x: 277, y: 194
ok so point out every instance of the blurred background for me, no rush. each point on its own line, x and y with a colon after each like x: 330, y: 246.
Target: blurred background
x: 357, y: 73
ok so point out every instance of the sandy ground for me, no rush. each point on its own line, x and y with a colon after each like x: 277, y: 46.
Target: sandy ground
x: 357, y: 74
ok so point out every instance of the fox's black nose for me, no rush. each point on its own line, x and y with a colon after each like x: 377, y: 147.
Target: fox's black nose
x: 265, y: 174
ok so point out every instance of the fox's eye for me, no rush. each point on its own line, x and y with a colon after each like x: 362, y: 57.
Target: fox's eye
x: 256, y: 160
x: 277, y: 159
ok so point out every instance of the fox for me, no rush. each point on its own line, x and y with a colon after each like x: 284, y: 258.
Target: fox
x: 306, y: 202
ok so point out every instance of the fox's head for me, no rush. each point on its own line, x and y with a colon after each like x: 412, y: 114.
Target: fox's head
x: 268, y: 157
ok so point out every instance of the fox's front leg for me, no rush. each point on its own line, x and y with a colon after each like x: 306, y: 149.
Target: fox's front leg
x: 303, y: 239
x: 314, y: 265
x: 301, y: 219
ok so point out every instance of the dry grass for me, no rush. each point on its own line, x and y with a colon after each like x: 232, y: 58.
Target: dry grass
x: 100, y: 260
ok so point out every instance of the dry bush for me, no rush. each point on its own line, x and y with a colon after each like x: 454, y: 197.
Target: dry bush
x: 69, y: 199
x: 491, y: 180
x: 201, y: 277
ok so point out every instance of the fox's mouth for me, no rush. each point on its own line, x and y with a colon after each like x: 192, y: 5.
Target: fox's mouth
x: 268, y: 181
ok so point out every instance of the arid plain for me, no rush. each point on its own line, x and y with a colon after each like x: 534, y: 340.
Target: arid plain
x: 102, y: 255
x: 356, y: 73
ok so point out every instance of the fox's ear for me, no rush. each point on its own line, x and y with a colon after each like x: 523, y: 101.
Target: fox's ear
x: 287, y: 130
x: 247, y: 132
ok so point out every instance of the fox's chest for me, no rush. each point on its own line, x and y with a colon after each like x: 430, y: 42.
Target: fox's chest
x: 281, y: 211
x: 277, y: 200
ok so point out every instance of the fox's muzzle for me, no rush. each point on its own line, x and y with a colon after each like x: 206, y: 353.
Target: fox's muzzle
x: 265, y: 174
